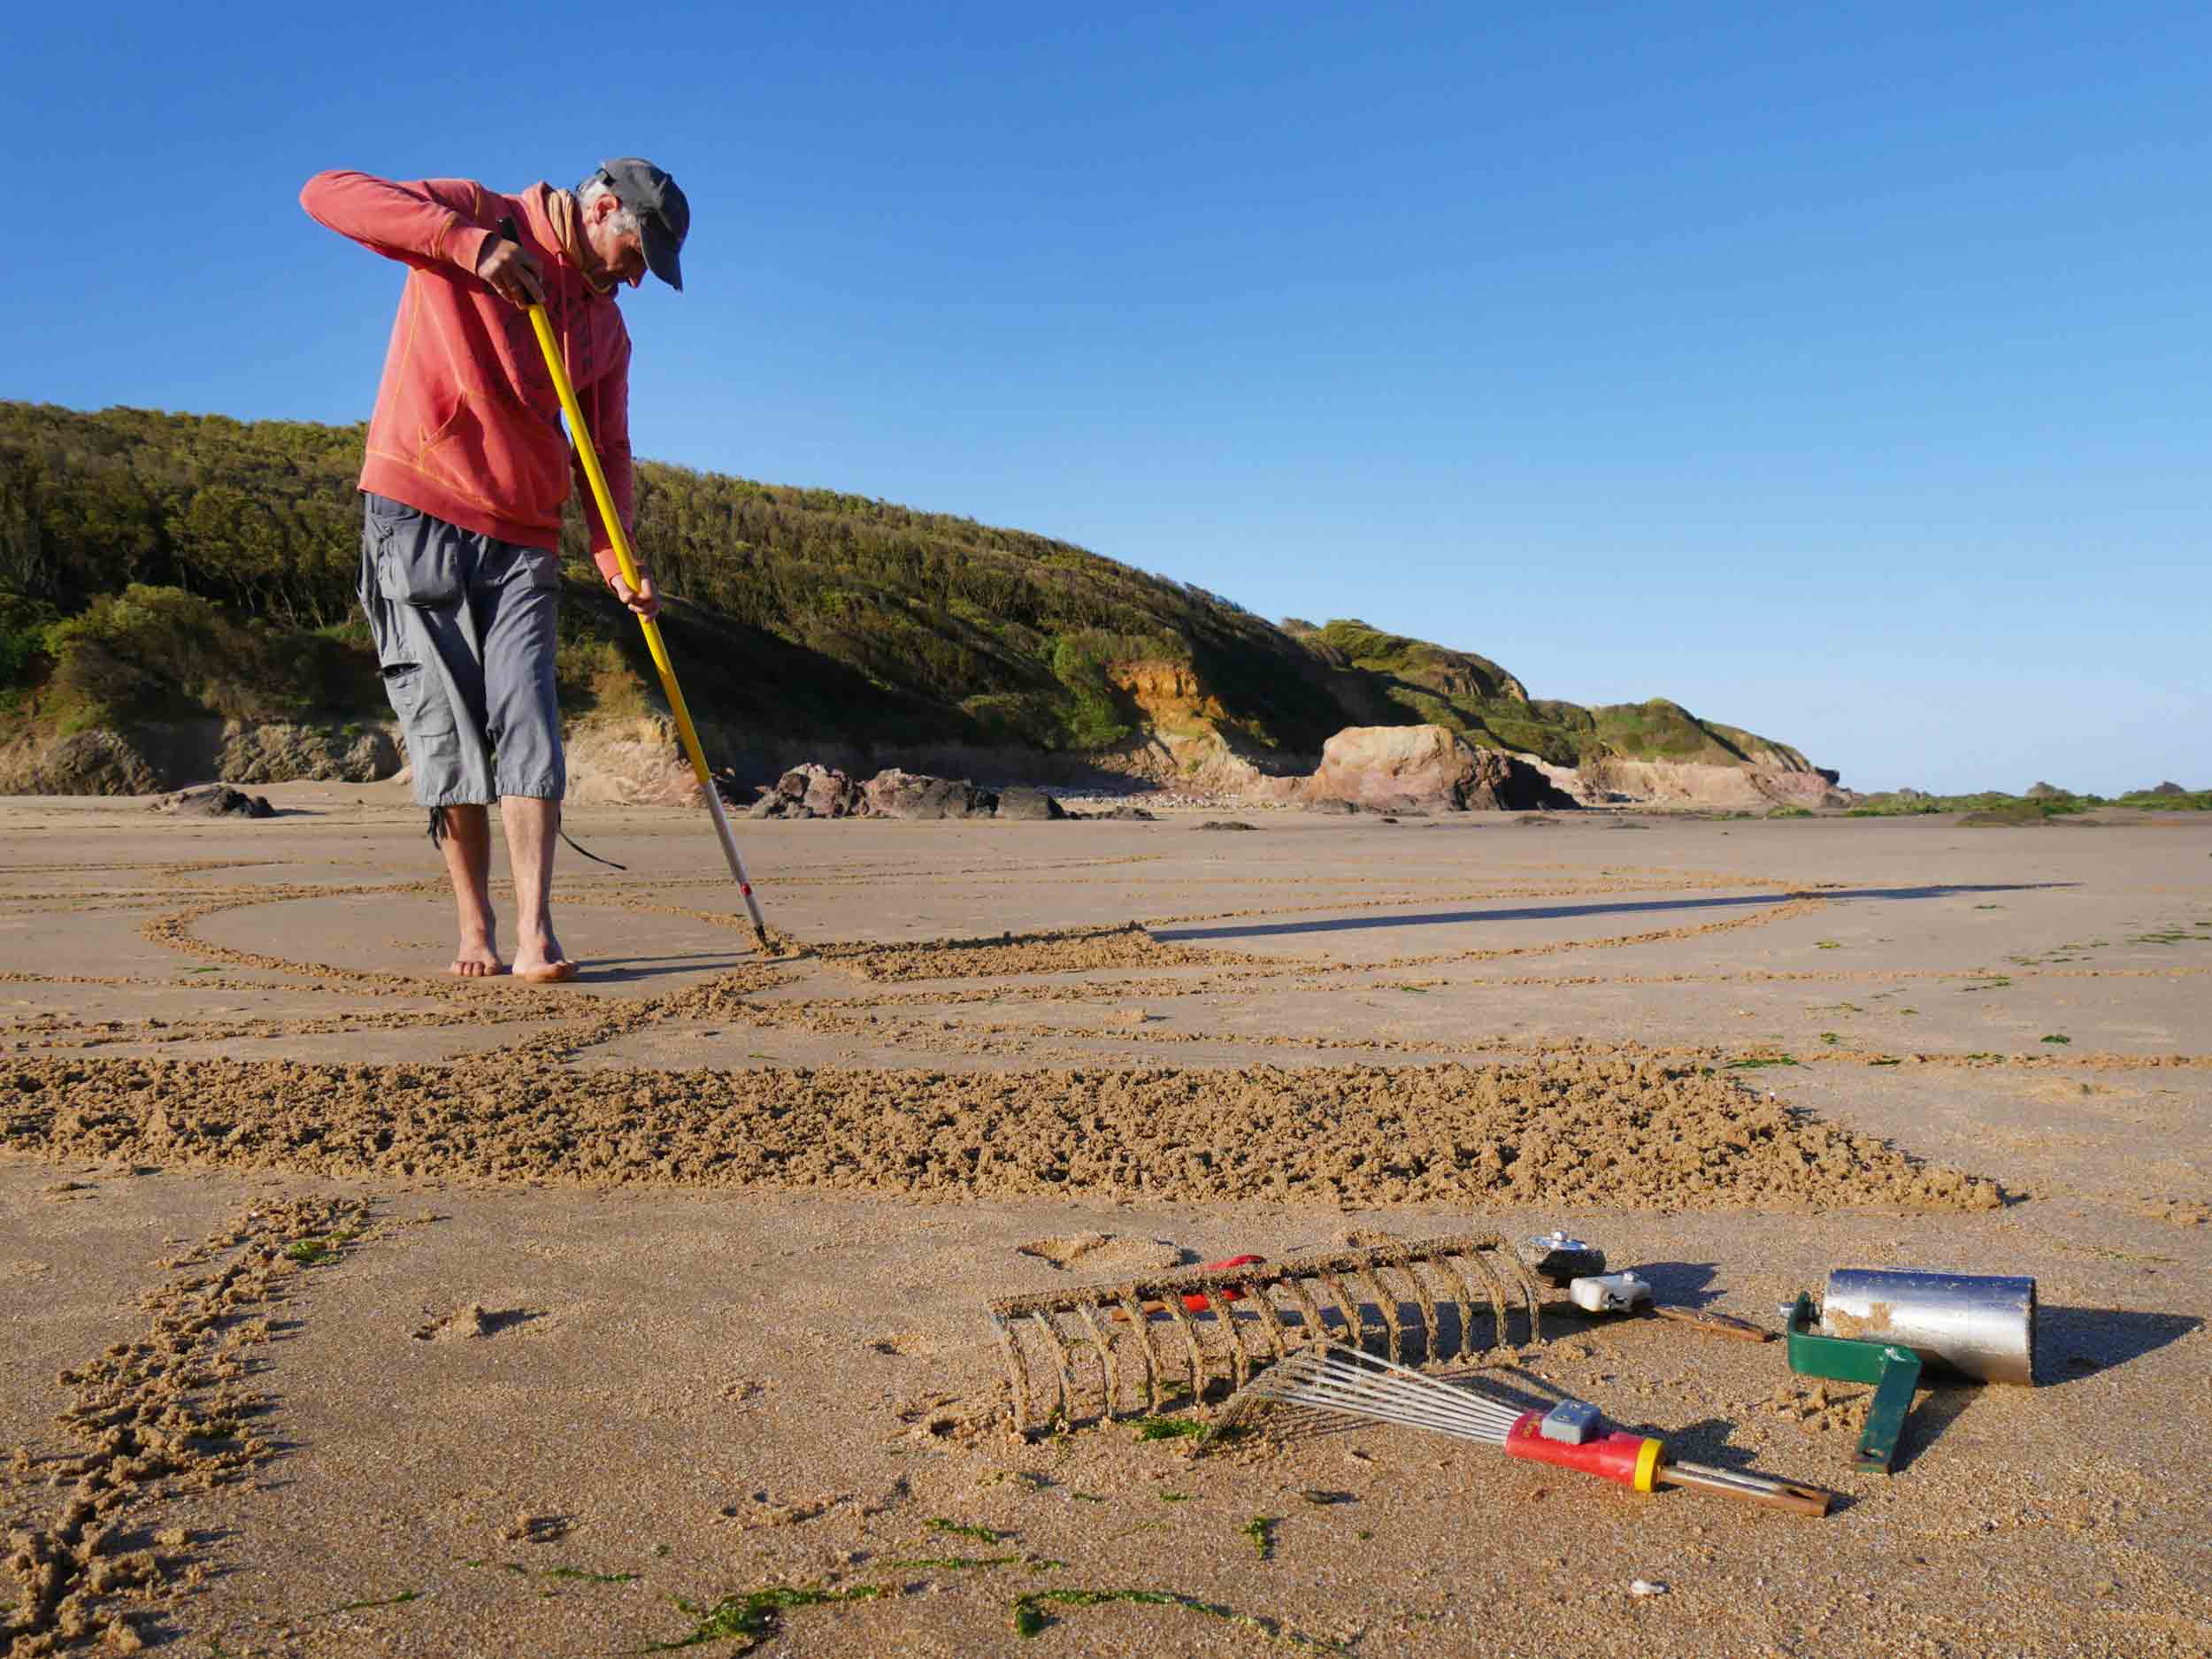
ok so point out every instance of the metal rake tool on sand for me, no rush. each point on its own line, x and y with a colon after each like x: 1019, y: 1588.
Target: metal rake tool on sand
x: 1568, y: 1435
x: 1103, y: 1350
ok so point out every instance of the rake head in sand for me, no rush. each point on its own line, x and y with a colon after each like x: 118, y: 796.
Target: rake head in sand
x: 1104, y: 1350
x: 1570, y: 1436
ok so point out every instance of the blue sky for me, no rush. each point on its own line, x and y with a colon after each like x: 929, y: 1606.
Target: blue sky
x: 1838, y: 372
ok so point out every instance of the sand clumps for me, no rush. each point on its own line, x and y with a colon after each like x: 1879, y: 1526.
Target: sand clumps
x: 1073, y: 950
x: 1615, y: 1133
x: 171, y: 1412
x: 472, y: 1319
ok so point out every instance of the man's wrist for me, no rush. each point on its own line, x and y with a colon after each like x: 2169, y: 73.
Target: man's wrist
x: 609, y: 565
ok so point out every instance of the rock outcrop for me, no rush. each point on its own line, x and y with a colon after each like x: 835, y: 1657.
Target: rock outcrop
x: 217, y: 800
x: 1410, y: 768
x: 911, y: 794
x: 822, y: 791
x: 1667, y: 783
x: 1032, y: 805
x: 813, y: 790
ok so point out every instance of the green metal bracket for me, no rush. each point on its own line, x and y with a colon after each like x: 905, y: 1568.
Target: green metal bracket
x: 1893, y: 1371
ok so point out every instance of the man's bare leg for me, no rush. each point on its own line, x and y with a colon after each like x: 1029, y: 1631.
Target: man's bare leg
x: 531, y: 825
x: 467, y: 846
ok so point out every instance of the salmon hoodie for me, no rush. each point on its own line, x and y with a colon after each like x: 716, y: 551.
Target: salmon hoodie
x: 467, y: 424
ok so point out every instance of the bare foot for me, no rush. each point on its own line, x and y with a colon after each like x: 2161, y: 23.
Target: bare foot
x: 540, y: 961
x: 476, y: 959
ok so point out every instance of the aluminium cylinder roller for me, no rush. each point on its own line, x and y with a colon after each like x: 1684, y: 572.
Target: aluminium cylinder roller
x: 1977, y: 1326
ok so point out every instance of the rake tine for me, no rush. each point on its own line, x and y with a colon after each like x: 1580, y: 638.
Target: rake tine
x: 1354, y: 1320
x: 1386, y: 1299
x: 1425, y: 1298
x: 1495, y: 1286
x: 1060, y: 1361
x: 1463, y: 1296
x: 1016, y: 1371
x: 1152, y: 1362
x: 1270, y: 1321
x: 1174, y: 1305
x: 1239, y: 1360
x: 1105, y: 1357
x: 1308, y: 1309
x: 1532, y: 1294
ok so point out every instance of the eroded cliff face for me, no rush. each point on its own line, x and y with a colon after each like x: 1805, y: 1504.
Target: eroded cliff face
x: 1694, y: 783
x: 1170, y: 696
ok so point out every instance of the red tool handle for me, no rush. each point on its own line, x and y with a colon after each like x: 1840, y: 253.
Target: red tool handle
x: 1195, y: 1302
x: 1630, y: 1459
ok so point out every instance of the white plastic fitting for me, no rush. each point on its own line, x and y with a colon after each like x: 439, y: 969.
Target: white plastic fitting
x: 1609, y: 1293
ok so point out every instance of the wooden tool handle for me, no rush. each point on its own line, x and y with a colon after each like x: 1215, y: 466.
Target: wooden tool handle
x: 1774, y: 1494
x: 1713, y: 1324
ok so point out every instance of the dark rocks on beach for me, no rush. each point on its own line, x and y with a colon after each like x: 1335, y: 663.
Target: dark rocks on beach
x: 1225, y: 824
x: 823, y: 790
x: 218, y: 800
x: 1029, y: 804
x: 814, y: 791
x: 913, y: 794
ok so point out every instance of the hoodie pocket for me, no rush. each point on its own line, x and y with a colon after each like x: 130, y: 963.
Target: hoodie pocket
x: 417, y: 562
x: 504, y: 454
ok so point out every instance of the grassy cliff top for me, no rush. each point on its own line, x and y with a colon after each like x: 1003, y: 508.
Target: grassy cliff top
x: 156, y: 564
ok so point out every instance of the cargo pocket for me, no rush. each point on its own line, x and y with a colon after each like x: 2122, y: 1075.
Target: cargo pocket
x: 541, y: 570
x: 417, y: 562
x: 432, y: 738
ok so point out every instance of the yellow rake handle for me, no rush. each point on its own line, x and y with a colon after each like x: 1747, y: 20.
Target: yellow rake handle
x: 581, y: 435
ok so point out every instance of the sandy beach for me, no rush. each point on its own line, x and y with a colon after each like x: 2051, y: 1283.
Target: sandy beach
x: 351, y: 1308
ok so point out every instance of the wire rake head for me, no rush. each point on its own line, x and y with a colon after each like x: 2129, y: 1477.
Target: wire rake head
x: 1357, y: 1383
x: 1103, y: 1351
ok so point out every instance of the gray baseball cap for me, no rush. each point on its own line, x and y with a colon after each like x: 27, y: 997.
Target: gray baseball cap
x: 661, y: 209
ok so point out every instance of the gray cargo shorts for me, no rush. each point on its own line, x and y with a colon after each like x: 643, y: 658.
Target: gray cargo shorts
x: 464, y: 625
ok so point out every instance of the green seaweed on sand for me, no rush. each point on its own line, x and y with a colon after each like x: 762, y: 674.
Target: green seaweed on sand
x: 753, y: 1617
x: 1031, y: 1619
x: 1172, y: 1429
x: 947, y: 1563
x: 958, y: 1529
x: 1261, y: 1529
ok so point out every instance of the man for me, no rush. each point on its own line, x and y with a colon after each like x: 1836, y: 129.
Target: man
x: 463, y: 483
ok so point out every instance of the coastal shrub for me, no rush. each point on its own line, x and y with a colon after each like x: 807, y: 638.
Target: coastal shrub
x: 152, y: 653
x: 23, y: 625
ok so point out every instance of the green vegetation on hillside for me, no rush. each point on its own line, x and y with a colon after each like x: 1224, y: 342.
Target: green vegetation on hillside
x: 156, y: 566
x: 1475, y: 697
x: 1994, y: 805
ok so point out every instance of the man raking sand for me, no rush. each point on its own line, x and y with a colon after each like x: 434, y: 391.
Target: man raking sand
x: 465, y: 475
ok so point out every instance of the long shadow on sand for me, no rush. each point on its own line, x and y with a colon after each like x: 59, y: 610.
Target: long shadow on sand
x: 2071, y: 1343
x: 624, y: 970
x: 1567, y: 913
